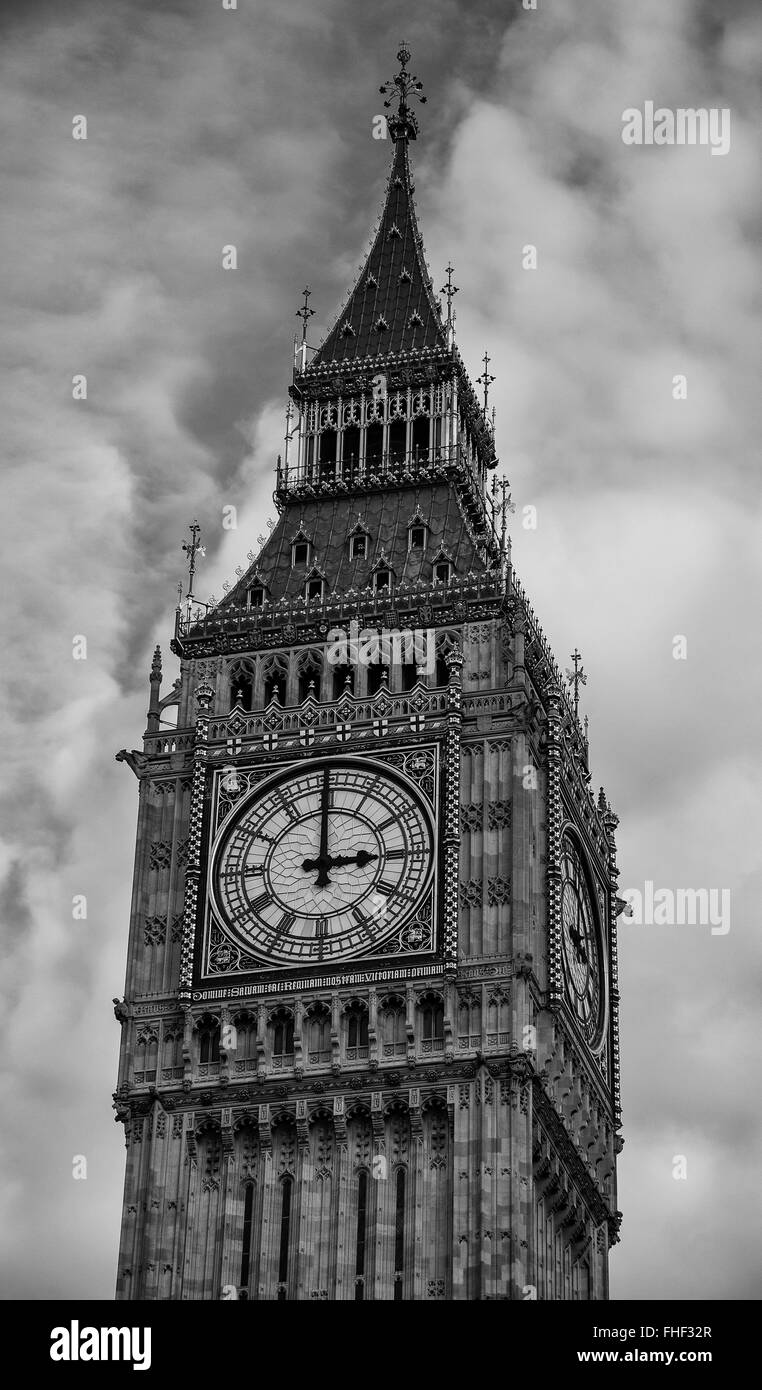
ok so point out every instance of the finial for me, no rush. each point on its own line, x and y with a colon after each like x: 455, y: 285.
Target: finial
x: 403, y: 124
x: 450, y: 290
x: 192, y: 550
x: 485, y: 380
x: 504, y: 506
x: 305, y: 313
x: 576, y: 678
x: 156, y: 665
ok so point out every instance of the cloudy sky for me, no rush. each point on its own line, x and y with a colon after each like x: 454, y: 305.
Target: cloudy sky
x: 254, y: 127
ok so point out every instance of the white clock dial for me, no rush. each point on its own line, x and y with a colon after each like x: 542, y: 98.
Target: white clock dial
x: 326, y: 861
x: 584, y: 982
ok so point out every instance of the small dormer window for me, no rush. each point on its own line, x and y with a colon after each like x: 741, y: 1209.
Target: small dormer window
x: 300, y: 553
x: 442, y: 571
x: 256, y: 596
x: 358, y: 547
x: 314, y: 589
x: 382, y: 580
x: 417, y: 537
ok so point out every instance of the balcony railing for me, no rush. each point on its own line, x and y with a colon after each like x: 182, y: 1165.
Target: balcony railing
x: 229, y: 619
x: 393, y: 469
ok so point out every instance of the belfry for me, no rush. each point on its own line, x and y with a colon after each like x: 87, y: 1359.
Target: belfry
x: 369, y: 1034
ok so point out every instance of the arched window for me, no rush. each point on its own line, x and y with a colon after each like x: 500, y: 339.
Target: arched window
x: 432, y: 1022
x: 393, y: 1027
x: 319, y: 1033
x: 243, y: 1054
x: 409, y: 674
x: 340, y: 676
x: 375, y: 677
x: 172, y: 1055
x: 357, y: 1031
x: 287, y: 1184
x: 275, y: 675
x: 421, y: 438
x: 282, y: 1037
x: 146, y: 1057
x: 350, y: 452
x: 241, y: 678
x: 397, y: 441
x: 208, y: 1041
x: 327, y: 454
x: 374, y: 444
x: 309, y: 676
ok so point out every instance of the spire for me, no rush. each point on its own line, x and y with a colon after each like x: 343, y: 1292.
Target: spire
x: 403, y: 124
x: 392, y: 308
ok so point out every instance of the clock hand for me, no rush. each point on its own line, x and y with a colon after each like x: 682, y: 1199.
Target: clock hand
x: 323, y: 863
x: 362, y: 858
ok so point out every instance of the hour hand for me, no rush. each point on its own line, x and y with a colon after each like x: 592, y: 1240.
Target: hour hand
x: 362, y: 858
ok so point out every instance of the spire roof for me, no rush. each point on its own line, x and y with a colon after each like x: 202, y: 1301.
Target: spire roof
x: 392, y: 308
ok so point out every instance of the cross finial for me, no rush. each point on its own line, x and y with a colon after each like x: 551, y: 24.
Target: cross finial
x: 577, y: 677
x: 403, y: 124
x: 195, y: 548
x: 305, y: 313
x: 485, y: 380
x: 503, y: 506
x: 450, y: 290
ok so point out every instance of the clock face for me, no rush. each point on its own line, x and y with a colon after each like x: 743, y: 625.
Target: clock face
x: 582, y: 959
x: 325, y: 862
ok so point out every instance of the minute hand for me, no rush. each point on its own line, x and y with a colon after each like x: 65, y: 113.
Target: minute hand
x: 323, y: 863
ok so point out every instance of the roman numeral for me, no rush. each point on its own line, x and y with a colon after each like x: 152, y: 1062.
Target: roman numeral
x: 321, y: 926
x: 286, y: 922
x: 395, y: 853
x: 257, y: 904
x: 386, y: 887
x: 385, y: 824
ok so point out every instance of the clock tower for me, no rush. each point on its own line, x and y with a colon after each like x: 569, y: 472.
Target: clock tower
x: 369, y: 1032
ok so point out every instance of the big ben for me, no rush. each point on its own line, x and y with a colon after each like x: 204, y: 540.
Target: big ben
x: 369, y: 1032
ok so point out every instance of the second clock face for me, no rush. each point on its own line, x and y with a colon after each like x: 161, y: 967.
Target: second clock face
x: 583, y: 966
x: 325, y: 862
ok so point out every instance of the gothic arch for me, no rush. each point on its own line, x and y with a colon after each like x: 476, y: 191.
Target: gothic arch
x: 241, y: 676
x: 355, y: 1013
x: 245, y: 1051
x: 280, y: 1027
x: 146, y: 1055
x: 207, y: 1030
x: 393, y: 1026
x: 309, y: 671
x: 274, y: 675
x: 318, y: 1021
